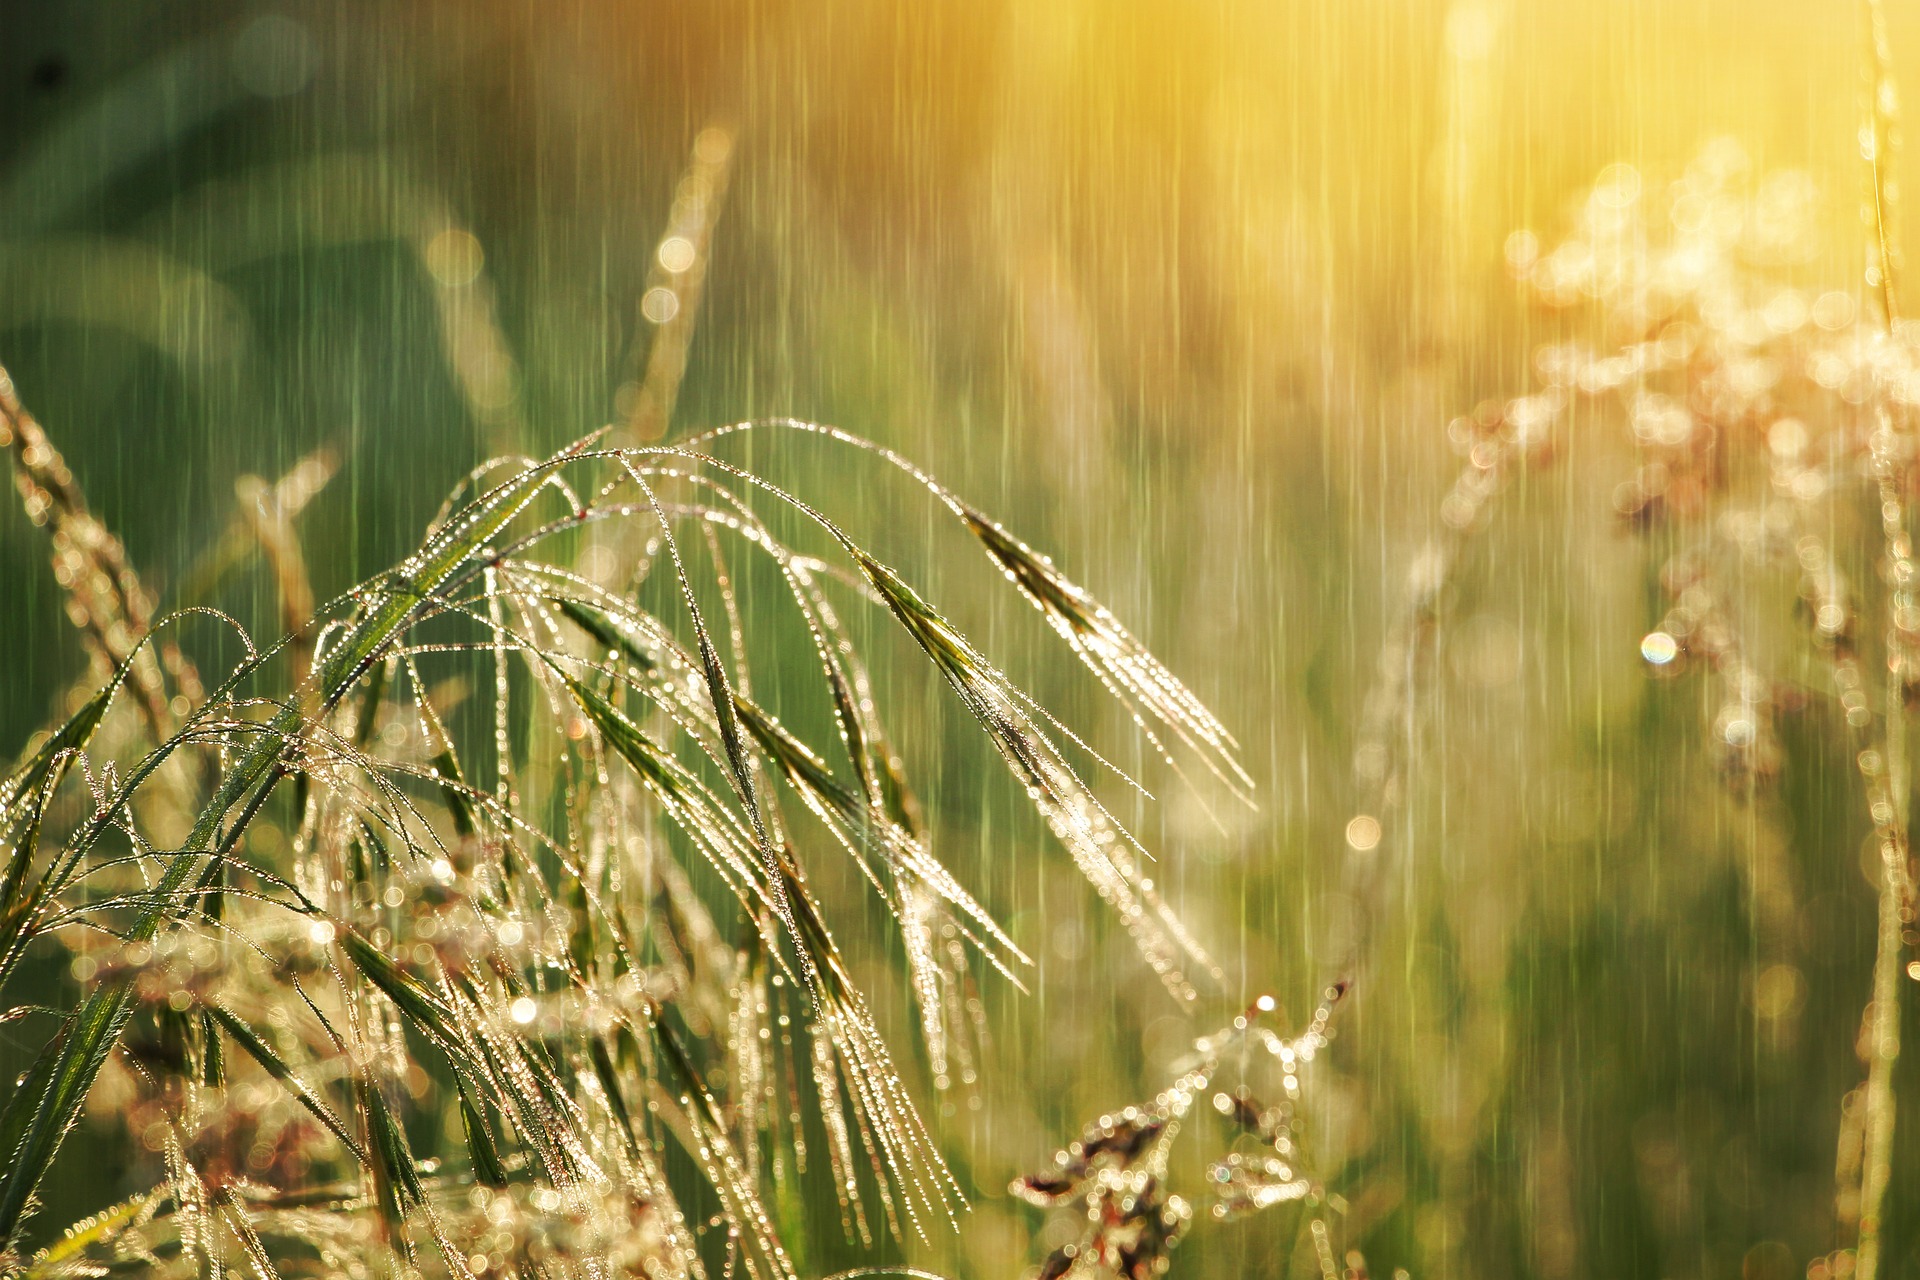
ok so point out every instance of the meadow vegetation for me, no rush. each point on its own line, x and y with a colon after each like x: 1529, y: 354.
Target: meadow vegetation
x: 531, y: 831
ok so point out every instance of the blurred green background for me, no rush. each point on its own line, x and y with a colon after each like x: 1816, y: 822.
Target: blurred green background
x: 1185, y: 293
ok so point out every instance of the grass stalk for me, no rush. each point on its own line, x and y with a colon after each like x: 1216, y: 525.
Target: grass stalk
x: 1896, y: 904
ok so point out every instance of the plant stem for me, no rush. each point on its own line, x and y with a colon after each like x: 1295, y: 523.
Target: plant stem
x: 1883, y: 1019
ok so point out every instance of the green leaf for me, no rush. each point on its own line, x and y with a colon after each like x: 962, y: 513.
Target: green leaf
x: 258, y: 1049
x: 607, y: 633
x: 71, y: 736
x: 487, y: 1169
x: 396, y: 1179
x: 213, y: 1061
x: 413, y: 997
x: 370, y: 697
x: 454, y: 790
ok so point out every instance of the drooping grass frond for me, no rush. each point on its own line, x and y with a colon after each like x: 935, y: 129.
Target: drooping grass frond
x: 1128, y: 670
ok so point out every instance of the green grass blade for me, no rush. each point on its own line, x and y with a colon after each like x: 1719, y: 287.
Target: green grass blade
x: 97, y: 1026
x: 275, y: 1066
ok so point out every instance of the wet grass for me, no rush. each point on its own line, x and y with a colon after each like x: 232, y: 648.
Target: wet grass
x: 553, y: 895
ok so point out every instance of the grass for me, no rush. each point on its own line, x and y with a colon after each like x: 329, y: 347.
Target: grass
x: 574, y: 955
x: 557, y: 959
x: 556, y: 898
x: 1751, y: 443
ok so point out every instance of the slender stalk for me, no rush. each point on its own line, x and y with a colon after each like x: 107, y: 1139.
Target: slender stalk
x: 106, y: 598
x: 1520, y: 438
x: 671, y: 302
x: 1883, y: 1040
x: 1882, y: 120
x: 1883, y: 1014
x: 1890, y: 811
